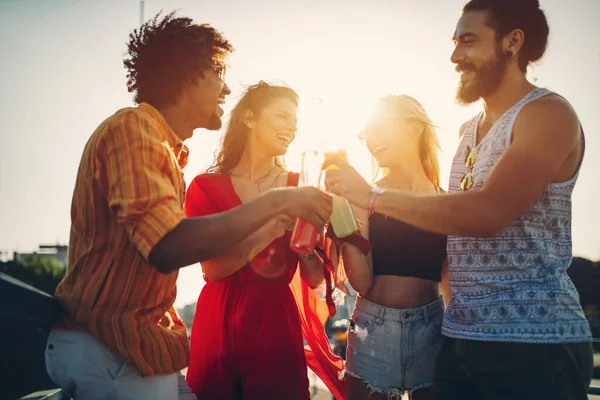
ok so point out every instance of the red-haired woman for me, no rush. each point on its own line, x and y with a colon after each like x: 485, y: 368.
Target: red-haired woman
x: 247, y: 335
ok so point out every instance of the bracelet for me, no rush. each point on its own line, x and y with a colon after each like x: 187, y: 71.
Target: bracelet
x: 375, y: 193
x: 359, y: 225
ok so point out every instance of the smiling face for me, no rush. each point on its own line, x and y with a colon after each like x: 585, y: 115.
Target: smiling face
x: 203, y: 99
x: 274, y: 128
x: 478, y: 57
x: 388, y: 138
x: 210, y: 93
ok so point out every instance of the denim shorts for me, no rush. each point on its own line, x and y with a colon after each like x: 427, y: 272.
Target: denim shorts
x: 394, y: 350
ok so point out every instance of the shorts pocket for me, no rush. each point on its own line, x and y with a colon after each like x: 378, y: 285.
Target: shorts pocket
x: 363, y: 322
x: 59, y: 356
x: 55, y: 366
x: 367, y: 363
x: 118, y: 370
x: 435, y: 323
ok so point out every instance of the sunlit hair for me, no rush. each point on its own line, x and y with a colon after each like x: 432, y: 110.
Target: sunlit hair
x: 256, y: 98
x: 406, y: 107
x: 166, y: 54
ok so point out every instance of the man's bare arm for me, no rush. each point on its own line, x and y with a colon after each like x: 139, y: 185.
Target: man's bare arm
x: 203, y: 238
x: 545, y: 135
x: 236, y: 257
x: 546, y: 140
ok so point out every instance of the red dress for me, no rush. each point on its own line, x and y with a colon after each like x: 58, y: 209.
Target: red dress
x: 246, y: 337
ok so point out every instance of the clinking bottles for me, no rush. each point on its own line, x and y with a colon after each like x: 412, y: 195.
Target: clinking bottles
x: 305, y: 235
x: 343, y: 220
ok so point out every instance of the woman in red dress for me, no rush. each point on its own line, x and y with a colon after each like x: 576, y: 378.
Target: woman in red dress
x: 247, y: 334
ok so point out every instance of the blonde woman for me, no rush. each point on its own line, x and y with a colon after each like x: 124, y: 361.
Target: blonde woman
x: 399, y: 310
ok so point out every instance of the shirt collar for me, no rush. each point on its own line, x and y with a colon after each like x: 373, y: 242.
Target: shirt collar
x: 181, y: 150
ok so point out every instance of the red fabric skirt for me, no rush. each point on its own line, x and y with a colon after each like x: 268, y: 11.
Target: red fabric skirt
x: 247, y: 336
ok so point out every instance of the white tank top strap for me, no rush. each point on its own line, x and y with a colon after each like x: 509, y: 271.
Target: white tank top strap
x: 516, y: 109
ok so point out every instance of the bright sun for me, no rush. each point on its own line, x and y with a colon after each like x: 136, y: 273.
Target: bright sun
x: 328, y: 124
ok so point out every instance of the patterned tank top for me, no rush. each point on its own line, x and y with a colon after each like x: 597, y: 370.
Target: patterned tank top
x: 514, y: 287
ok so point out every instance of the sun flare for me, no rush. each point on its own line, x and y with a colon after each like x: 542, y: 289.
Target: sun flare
x: 332, y: 124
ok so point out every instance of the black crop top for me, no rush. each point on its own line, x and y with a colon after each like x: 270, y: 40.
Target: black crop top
x: 403, y: 250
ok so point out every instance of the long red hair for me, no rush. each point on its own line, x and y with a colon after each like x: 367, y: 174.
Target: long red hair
x: 255, y: 99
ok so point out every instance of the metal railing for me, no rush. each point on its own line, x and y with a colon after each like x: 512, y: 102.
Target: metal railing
x: 29, y: 306
x: 26, y: 315
x: 53, y: 394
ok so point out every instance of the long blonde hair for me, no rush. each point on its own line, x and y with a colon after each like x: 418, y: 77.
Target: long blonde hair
x: 404, y: 106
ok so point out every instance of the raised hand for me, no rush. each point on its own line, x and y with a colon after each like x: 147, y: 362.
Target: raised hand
x: 345, y: 181
x: 308, y: 203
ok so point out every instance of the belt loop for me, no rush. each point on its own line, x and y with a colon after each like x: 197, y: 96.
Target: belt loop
x: 426, y: 314
x: 379, y: 319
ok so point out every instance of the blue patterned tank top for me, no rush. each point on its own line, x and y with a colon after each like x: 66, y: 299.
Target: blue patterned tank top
x: 514, y: 287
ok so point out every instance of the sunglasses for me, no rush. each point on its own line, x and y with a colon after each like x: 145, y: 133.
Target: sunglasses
x: 466, y: 183
x: 256, y: 87
x: 220, y: 70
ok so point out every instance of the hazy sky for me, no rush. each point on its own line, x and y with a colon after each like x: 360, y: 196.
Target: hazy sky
x: 61, y: 74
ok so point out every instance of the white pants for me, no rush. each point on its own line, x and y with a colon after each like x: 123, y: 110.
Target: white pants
x: 85, y: 369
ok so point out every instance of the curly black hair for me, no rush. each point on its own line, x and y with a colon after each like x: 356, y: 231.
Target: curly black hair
x: 508, y: 15
x: 166, y: 54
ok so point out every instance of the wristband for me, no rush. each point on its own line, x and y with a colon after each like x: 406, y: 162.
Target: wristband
x: 375, y: 193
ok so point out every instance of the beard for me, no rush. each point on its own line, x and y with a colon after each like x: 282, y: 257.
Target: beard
x: 214, y: 123
x: 485, y: 80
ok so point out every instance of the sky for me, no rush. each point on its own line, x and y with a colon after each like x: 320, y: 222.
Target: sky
x: 61, y: 74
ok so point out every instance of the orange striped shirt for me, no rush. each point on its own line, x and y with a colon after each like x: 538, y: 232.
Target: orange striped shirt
x: 128, y: 195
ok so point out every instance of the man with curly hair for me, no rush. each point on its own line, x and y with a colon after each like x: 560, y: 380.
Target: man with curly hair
x: 120, y: 336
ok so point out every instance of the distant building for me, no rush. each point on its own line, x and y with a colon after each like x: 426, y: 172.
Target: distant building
x: 4, y: 256
x: 55, y: 252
